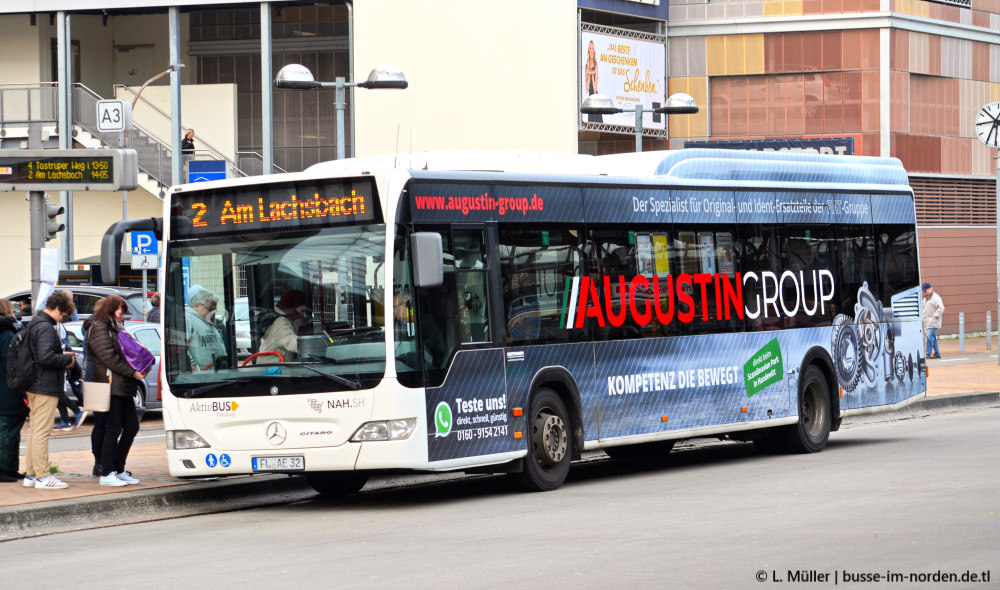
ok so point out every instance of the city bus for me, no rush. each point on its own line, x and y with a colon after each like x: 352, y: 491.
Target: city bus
x: 507, y: 312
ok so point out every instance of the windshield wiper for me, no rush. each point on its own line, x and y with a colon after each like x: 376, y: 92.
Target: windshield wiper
x: 199, y: 391
x: 352, y: 383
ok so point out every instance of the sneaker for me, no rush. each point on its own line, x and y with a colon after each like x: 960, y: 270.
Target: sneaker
x: 29, y: 481
x: 63, y: 426
x: 80, y: 417
x: 111, y: 479
x: 50, y: 483
x: 127, y: 478
x: 96, y: 471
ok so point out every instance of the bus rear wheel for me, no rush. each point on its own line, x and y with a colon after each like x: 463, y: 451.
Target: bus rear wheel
x: 811, y: 433
x: 550, y: 444
x: 335, y: 484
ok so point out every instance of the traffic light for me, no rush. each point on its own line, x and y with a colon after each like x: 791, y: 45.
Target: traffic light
x: 52, y: 223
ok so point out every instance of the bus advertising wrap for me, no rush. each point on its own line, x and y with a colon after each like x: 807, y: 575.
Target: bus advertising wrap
x: 446, y: 202
x: 660, y: 385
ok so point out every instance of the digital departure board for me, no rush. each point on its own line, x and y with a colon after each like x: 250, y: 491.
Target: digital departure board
x: 72, y: 170
x: 273, y: 205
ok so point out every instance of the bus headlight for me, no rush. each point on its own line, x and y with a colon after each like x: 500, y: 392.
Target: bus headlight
x: 185, y: 439
x: 385, y: 430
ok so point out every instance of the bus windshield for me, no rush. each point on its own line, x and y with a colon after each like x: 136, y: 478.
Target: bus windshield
x: 257, y: 312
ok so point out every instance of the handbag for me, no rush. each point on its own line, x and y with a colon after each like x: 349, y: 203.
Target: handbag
x: 96, y: 396
x: 136, y: 354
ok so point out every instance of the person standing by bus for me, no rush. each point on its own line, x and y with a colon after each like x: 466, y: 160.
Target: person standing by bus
x: 122, y: 423
x: 51, y: 363
x: 13, y: 404
x: 933, y: 311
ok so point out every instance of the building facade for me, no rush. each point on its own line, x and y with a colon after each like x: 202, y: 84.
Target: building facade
x: 901, y: 78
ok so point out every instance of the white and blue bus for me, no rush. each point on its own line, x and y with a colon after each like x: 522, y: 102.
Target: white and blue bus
x: 507, y: 312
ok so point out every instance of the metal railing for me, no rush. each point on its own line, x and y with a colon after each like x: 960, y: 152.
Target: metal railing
x: 205, y: 149
x: 252, y: 164
x: 21, y: 104
x: 154, y: 155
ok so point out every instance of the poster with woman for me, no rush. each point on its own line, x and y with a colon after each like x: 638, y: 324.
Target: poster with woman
x: 627, y: 70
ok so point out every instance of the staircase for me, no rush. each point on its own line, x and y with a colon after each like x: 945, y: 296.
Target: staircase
x: 22, y: 105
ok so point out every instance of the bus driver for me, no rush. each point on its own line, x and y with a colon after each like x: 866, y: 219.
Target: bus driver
x: 204, y: 343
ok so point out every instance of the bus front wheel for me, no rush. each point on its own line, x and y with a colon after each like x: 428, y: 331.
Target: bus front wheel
x: 549, y: 443
x: 811, y: 433
x: 335, y: 484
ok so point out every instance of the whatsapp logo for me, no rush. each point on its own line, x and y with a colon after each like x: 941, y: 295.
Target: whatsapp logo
x: 442, y: 419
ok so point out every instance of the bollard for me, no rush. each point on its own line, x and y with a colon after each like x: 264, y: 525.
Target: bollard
x: 989, y: 330
x: 961, y: 331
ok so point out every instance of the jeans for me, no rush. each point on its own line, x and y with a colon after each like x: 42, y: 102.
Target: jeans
x: 120, y: 430
x: 932, y: 342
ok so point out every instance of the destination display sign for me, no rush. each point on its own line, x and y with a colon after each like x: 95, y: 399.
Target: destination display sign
x: 41, y: 170
x: 280, y: 205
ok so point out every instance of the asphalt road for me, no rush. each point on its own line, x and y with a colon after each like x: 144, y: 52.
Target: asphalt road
x: 915, y: 496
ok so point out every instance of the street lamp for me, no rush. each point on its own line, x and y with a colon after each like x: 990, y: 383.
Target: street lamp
x: 298, y: 77
x: 677, y: 104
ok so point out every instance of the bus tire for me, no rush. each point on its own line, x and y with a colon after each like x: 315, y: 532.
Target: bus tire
x: 651, y: 451
x: 550, y: 444
x: 811, y: 433
x: 336, y: 484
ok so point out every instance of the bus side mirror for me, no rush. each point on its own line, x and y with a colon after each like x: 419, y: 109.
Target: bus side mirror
x: 110, y: 259
x: 428, y: 259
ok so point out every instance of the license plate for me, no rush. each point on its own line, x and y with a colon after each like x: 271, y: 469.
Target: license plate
x: 293, y: 463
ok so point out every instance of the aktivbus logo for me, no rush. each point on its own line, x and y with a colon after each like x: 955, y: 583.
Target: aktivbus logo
x: 647, y: 299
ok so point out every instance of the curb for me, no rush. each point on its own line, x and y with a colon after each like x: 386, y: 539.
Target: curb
x: 256, y: 491
x: 938, y: 403
x: 57, y: 516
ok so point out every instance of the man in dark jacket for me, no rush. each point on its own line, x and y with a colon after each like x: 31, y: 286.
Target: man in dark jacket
x: 43, y: 394
x: 13, y: 410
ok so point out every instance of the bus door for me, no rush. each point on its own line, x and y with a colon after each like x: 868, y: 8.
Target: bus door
x: 466, y: 395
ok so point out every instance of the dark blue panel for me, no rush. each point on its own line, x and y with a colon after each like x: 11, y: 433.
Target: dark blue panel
x: 893, y: 209
x: 447, y: 202
x: 805, y: 207
x: 627, y: 205
x: 703, y: 206
x: 659, y: 12
x: 755, y: 208
x: 539, y: 203
x: 464, y: 202
x: 854, y: 209
x: 479, y: 420
x: 842, y: 146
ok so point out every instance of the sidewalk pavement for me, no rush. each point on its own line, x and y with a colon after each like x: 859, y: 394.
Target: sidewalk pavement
x: 958, y: 379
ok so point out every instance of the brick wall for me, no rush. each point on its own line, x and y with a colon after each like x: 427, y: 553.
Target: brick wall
x: 961, y: 264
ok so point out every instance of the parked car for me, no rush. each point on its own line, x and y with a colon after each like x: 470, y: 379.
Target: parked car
x: 85, y: 297
x: 147, y: 334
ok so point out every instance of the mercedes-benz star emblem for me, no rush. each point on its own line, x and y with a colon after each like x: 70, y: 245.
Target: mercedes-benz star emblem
x: 276, y: 433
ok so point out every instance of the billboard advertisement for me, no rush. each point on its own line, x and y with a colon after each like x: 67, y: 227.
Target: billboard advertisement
x: 628, y: 71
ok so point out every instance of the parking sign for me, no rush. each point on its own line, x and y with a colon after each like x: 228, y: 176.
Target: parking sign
x: 144, y: 242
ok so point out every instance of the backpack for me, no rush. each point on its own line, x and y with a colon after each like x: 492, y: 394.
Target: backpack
x: 20, y: 362
x: 136, y: 354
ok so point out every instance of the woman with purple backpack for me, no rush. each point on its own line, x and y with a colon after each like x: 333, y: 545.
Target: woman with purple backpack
x: 107, y: 356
